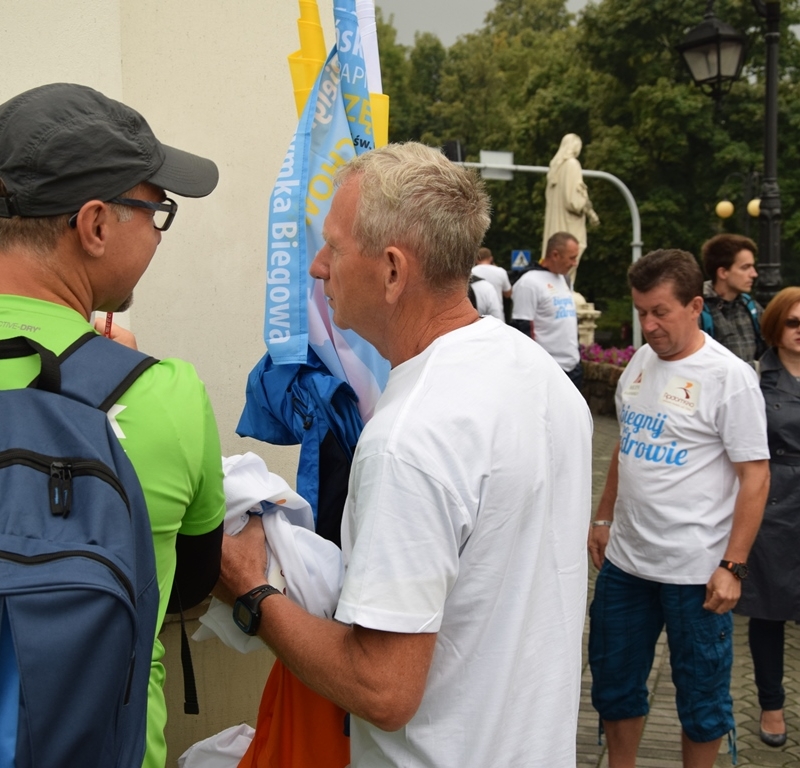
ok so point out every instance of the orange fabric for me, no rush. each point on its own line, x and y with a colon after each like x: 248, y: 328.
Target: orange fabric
x: 296, y: 728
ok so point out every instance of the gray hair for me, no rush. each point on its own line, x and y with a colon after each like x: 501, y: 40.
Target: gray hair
x: 558, y: 242
x: 412, y: 196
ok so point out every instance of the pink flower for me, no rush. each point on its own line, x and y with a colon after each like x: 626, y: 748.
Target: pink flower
x: 594, y: 353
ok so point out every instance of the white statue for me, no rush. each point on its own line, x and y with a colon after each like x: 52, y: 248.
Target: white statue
x: 567, y: 199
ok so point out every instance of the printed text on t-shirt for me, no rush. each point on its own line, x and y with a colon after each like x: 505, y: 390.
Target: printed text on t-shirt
x: 633, y: 422
x: 19, y: 326
x: 564, y: 307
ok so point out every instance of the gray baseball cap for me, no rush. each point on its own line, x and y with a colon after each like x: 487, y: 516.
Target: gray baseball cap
x: 62, y: 145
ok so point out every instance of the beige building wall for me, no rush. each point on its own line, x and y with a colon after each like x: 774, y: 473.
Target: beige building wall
x: 210, y: 77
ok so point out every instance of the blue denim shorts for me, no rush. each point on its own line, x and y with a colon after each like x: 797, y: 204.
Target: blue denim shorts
x: 627, y: 616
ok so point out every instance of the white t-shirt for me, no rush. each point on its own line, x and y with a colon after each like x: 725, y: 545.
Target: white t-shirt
x: 467, y: 516
x: 682, y: 423
x: 486, y: 301
x: 495, y: 275
x: 545, y: 298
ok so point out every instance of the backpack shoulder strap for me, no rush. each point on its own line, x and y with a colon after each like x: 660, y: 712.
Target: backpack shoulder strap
x: 750, y: 303
x: 752, y: 308
x: 49, y: 378
x: 706, y: 321
x: 97, y: 371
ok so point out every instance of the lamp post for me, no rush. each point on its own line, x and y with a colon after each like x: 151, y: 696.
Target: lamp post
x: 769, y: 240
x: 710, y: 51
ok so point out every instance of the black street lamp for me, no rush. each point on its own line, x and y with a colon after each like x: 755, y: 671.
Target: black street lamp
x: 709, y: 51
x: 714, y: 53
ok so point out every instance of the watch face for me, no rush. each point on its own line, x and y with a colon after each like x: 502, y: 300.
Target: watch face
x: 243, y: 617
x: 246, y: 612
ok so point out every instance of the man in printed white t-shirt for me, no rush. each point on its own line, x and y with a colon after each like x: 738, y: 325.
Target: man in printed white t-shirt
x: 544, y: 308
x: 457, y: 639
x: 683, y: 501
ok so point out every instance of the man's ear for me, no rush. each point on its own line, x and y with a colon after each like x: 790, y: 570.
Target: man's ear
x: 92, y: 227
x: 697, y: 305
x: 397, y: 267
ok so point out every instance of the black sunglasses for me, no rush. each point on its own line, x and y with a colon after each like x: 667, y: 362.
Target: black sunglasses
x: 792, y: 322
x: 163, y: 215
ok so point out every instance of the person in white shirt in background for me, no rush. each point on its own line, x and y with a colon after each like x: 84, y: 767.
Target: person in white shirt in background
x: 484, y: 298
x: 486, y: 269
x: 544, y: 308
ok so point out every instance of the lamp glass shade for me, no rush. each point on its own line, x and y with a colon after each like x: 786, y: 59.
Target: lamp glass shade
x: 713, y: 51
x: 703, y: 63
x: 731, y: 58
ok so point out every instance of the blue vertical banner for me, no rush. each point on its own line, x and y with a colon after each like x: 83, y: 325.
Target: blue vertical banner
x: 336, y: 124
x: 353, y: 76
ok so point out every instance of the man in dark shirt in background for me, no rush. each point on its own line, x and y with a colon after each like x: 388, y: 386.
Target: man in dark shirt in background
x: 730, y: 314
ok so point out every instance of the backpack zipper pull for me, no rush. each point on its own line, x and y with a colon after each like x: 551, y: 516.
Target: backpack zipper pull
x: 60, y: 488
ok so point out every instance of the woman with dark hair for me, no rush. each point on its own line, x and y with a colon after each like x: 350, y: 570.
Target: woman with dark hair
x: 771, y: 593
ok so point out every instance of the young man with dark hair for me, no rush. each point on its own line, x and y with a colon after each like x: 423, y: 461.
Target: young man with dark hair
x: 730, y: 314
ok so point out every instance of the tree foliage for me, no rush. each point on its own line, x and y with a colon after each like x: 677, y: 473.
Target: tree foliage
x: 535, y: 72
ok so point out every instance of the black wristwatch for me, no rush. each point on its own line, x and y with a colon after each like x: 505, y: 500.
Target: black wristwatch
x: 246, y: 611
x: 739, y: 570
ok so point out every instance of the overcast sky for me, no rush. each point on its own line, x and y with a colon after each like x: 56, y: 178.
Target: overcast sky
x: 447, y: 19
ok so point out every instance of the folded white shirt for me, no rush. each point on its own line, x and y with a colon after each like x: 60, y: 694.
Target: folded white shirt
x: 306, y: 567
x: 222, y: 750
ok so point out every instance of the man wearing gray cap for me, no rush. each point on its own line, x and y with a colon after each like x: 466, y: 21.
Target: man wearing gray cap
x: 83, y: 204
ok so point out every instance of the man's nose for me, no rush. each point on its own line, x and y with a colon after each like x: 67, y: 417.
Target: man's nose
x: 319, y: 267
x: 648, y: 323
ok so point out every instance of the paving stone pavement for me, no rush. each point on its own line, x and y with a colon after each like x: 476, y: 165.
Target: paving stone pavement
x: 660, y: 746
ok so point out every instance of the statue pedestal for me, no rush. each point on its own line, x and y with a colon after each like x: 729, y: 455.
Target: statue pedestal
x: 587, y: 319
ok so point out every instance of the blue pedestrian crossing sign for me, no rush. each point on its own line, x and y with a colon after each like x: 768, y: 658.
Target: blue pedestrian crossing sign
x: 520, y: 260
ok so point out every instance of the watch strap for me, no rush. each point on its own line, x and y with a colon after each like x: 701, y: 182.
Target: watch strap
x: 739, y: 570
x: 255, y: 596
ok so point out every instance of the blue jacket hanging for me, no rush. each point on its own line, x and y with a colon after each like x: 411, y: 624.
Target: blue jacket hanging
x: 305, y: 404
